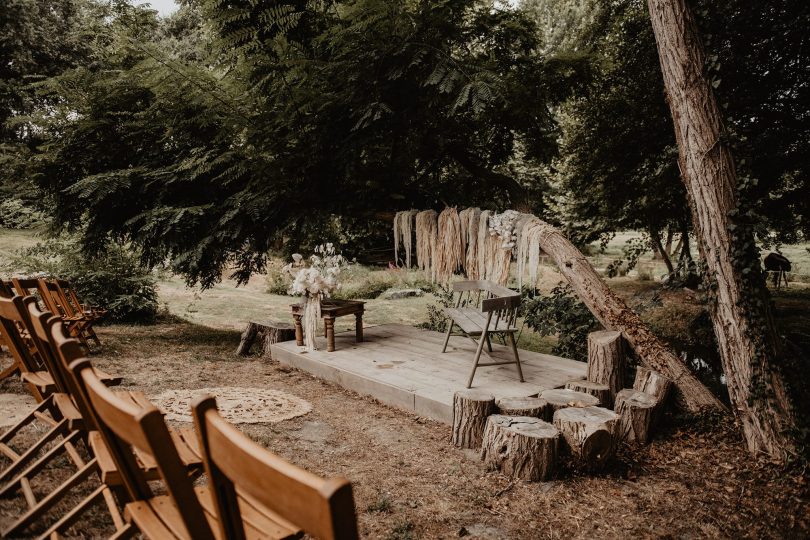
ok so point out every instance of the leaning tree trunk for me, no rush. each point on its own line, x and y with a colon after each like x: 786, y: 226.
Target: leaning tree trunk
x: 749, y: 344
x: 614, y: 314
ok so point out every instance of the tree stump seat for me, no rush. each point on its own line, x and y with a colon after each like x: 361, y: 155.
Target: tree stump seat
x: 521, y: 447
x: 589, y: 433
x: 268, y: 333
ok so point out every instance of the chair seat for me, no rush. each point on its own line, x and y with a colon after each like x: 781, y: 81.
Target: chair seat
x: 158, y: 517
x: 185, y: 440
x: 473, y: 321
x: 69, y: 411
x: 44, y: 381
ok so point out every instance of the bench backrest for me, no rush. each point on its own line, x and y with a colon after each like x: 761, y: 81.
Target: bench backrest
x: 323, y: 508
x: 492, y: 297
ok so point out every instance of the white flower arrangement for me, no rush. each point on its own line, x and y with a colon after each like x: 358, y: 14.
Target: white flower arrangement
x: 503, y: 226
x: 321, y: 277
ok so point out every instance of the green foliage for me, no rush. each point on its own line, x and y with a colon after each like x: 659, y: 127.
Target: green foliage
x: 560, y: 313
x: 17, y: 214
x: 436, y: 319
x: 206, y: 138
x: 114, y: 280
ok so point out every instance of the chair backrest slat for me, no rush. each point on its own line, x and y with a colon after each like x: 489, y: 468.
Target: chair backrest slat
x: 323, y: 508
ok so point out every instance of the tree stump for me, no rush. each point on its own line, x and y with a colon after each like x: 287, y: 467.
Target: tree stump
x: 520, y: 446
x: 597, y: 390
x: 655, y: 384
x: 589, y: 433
x: 470, y: 411
x: 636, y: 411
x: 606, y: 360
x: 268, y: 333
x: 521, y: 406
x: 560, y: 398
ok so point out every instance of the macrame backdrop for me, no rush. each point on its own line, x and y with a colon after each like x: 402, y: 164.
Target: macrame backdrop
x: 482, y: 244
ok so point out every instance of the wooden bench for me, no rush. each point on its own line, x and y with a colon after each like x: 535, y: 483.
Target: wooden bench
x: 478, y: 302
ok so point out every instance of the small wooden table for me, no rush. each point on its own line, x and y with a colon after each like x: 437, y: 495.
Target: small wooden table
x: 331, y: 310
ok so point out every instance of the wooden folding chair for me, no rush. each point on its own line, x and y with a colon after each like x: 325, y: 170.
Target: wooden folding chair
x: 127, y: 429
x: 63, y: 300
x: 26, y: 358
x: 13, y: 368
x: 237, y: 466
x: 477, y: 302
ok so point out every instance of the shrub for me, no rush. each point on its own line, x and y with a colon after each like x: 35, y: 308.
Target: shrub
x: 115, y: 280
x: 436, y: 319
x: 560, y: 313
x: 16, y: 214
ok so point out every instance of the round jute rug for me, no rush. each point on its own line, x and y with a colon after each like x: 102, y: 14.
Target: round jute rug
x: 238, y: 405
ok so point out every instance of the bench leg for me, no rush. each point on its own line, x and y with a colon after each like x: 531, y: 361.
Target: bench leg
x: 447, y: 335
x: 489, y: 343
x: 480, y: 348
x: 517, y: 358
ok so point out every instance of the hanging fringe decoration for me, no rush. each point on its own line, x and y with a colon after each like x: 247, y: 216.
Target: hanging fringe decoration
x: 480, y: 243
x: 403, y: 232
x: 426, y: 237
x: 471, y: 259
x: 450, y: 246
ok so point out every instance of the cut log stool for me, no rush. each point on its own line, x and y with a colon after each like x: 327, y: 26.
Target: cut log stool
x: 606, y: 360
x: 470, y: 411
x: 520, y: 446
x: 559, y: 398
x: 597, y: 390
x: 589, y: 433
x: 522, y: 406
x: 655, y: 384
x: 268, y: 333
x: 636, y: 411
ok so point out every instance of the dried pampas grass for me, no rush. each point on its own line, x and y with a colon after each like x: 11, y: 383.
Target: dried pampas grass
x: 450, y: 246
x: 403, y: 232
x: 426, y: 239
x: 528, y: 253
x: 471, y: 258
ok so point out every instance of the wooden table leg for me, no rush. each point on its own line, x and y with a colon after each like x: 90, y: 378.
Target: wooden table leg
x: 299, y: 331
x: 329, y: 322
x: 358, y: 327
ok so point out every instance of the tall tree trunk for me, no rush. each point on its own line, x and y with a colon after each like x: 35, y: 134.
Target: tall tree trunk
x: 749, y: 345
x: 658, y: 247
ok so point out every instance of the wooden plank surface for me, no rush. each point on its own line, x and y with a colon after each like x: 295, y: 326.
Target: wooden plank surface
x: 403, y: 366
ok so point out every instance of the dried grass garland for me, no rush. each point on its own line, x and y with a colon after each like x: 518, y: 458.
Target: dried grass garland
x: 426, y: 239
x: 450, y: 247
x: 403, y: 232
x: 471, y: 258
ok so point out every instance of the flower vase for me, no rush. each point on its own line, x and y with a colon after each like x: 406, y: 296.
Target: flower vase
x: 312, y: 313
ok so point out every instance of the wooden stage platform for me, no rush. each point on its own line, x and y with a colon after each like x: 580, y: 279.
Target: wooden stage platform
x: 403, y: 366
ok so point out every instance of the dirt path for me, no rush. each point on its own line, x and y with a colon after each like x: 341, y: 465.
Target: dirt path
x: 411, y: 483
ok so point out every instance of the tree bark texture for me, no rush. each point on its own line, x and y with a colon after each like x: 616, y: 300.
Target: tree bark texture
x: 520, y: 446
x: 267, y: 333
x: 470, y: 411
x: 589, y: 433
x: 614, y: 314
x: 606, y: 360
x: 749, y: 344
x: 636, y: 410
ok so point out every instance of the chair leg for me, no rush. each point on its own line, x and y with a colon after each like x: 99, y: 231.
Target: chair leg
x: 32, y: 451
x: 447, y: 335
x: 517, y: 358
x: 489, y: 343
x: 478, y: 351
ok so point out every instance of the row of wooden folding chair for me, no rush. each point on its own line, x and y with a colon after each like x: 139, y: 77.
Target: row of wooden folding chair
x: 323, y: 508
x: 72, y: 423
x: 60, y: 298
x: 64, y: 424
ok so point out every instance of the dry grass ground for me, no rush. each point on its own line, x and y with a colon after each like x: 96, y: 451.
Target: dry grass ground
x: 694, y: 480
